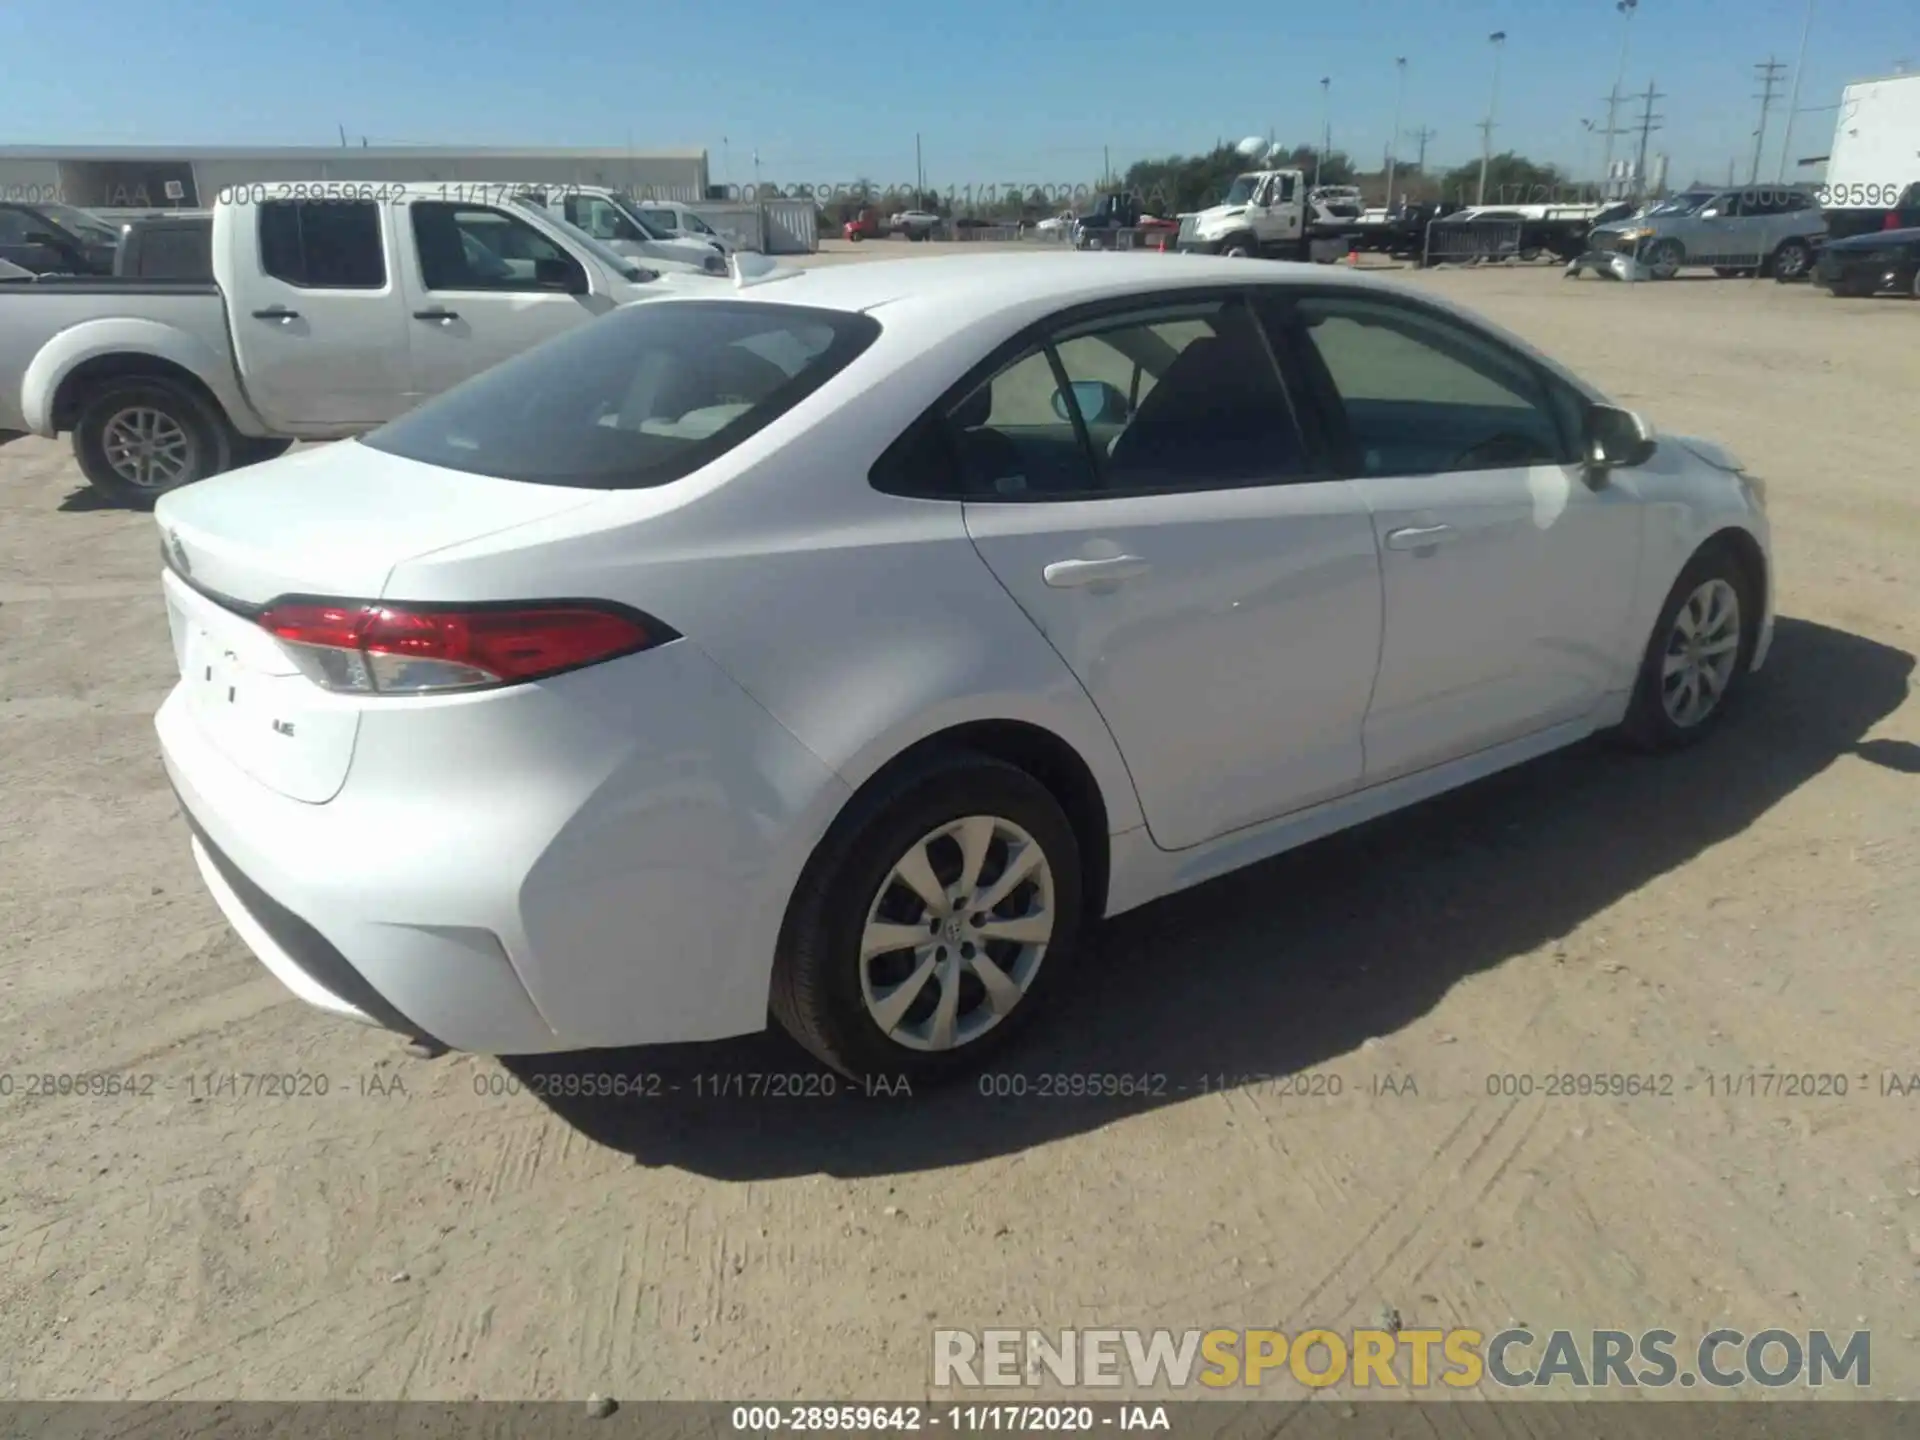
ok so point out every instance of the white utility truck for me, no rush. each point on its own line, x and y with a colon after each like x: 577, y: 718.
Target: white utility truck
x: 1265, y: 212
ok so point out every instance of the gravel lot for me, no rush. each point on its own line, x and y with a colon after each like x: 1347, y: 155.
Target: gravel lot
x: 1751, y: 906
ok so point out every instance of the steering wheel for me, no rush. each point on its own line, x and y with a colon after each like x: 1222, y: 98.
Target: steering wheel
x: 1507, y: 448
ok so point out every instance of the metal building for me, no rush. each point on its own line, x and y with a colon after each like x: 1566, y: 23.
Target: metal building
x: 137, y: 177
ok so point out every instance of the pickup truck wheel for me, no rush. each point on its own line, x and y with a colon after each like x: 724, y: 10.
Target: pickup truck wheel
x: 138, y: 438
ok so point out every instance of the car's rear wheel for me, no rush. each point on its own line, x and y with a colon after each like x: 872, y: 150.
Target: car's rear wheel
x: 138, y: 438
x: 1697, y: 656
x: 935, y: 925
x: 1791, y: 261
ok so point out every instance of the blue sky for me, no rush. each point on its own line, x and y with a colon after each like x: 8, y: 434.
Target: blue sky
x: 828, y: 91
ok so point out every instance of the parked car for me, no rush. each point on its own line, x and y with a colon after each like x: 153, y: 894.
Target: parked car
x: 1870, y: 264
x: 915, y: 224
x: 1062, y: 223
x: 810, y: 646
x: 677, y: 221
x: 323, y: 319
x: 1847, y: 223
x: 615, y: 221
x: 1767, y: 229
x: 50, y: 239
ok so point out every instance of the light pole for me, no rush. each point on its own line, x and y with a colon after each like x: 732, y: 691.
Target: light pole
x: 1626, y: 8
x: 1393, y: 142
x: 1326, y: 126
x: 1793, y: 100
x: 1498, y: 39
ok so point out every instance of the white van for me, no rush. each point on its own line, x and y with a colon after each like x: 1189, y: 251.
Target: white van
x: 672, y: 216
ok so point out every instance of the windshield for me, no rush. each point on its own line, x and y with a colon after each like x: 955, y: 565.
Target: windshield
x: 622, y: 265
x: 80, y: 222
x: 1242, y: 191
x: 643, y: 396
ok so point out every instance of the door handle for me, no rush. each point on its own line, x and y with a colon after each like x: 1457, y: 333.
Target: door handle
x: 1065, y: 574
x: 436, y: 314
x: 1418, y: 537
x: 276, y: 312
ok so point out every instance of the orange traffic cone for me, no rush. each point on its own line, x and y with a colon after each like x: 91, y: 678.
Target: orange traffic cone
x: 1353, y: 257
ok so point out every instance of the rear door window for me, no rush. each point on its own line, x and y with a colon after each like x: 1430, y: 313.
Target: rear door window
x: 323, y: 245
x: 642, y: 396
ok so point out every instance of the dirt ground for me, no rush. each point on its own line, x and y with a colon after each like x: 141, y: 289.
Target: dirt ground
x: 417, y: 1232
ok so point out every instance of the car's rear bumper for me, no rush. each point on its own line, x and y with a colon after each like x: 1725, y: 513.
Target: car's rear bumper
x: 601, y: 859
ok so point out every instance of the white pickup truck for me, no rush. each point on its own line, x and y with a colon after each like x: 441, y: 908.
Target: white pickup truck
x: 332, y: 311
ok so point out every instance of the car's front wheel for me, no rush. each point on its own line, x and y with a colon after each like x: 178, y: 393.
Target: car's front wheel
x: 1697, y: 656
x: 1792, y: 261
x: 933, y: 925
x: 1663, y: 259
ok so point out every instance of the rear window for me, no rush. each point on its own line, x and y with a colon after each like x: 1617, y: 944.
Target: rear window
x: 642, y: 396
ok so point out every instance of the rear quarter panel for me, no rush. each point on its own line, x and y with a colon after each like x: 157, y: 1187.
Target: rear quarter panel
x: 44, y: 338
x: 862, y: 622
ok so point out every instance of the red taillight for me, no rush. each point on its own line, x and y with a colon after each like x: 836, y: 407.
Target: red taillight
x: 1892, y: 222
x: 371, y: 648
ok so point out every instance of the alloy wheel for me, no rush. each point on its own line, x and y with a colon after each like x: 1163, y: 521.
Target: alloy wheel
x: 147, y: 448
x: 1702, y: 648
x: 956, y: 933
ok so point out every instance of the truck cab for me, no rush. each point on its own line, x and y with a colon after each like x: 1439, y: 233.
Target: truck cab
x: 1264, y: 212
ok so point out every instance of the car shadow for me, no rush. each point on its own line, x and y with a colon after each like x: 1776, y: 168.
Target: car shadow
x: 1289, y: 964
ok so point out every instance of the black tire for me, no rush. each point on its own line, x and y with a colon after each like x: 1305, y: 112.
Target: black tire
x: 1243, y: 247
x: 256, y: 450
x: 1791, y: 261
x: 1667, y: 255
x: 208, y: 438
x: 816, y: 994
x: 1648, y: 725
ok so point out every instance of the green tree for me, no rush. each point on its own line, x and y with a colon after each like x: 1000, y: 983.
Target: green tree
x: 1511, y: 180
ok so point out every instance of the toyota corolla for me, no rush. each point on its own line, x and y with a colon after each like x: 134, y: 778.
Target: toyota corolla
x: 840, y: 647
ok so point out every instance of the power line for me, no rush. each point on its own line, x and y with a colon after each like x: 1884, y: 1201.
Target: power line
x: 1420, y: 137
x: 1769, y: 76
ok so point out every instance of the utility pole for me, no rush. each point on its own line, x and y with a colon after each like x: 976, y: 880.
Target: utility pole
x: 1421, y: 137
x: 1649, y: 122
x: 1393, y: 143
x: 1326, y: 126
x: 1769, y: 75
x: 1498, y: 39
x: 1106, y: 167
x: 1626, y: 8
x: 1793, y: 100
x: 919, y: 174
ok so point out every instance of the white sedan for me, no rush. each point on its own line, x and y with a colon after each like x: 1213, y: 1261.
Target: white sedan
x: 844, y: 644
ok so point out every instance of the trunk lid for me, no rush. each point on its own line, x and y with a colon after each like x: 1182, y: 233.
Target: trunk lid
x: 334, y: 521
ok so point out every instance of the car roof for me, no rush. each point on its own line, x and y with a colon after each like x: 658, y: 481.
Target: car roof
x: 978, y: 284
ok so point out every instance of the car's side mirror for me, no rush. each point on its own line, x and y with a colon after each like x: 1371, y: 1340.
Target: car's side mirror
x: 1710, y: 213
x: 551, y: 274
x: 1616, y: 438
